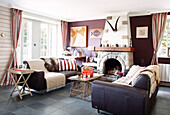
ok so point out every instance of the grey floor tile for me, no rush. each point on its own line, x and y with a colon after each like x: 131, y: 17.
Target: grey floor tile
x: 13, y: 106
x: 5, y: 112
x: 81, y: 111
x: 70, y: 108
x: 27, y: 111
x: 60, y: 112
x: 37, y: 106
x: 58, y: 102
x: 47, y: 110
x: 48, y: 101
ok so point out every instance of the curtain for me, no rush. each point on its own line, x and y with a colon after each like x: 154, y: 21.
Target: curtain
x: 16, y: 17
x: 158, y: 26
x: 64, y: 29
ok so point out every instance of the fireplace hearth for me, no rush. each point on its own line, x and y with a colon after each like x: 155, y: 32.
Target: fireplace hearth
x: 111, y: 66
x: 109, y: 62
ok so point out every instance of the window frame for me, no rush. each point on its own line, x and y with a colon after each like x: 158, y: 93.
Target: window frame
x: 168, y: 34
x: 48, y: 39
x: 21, y: 41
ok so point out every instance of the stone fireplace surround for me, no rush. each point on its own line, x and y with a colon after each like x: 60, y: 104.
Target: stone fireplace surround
x: 125, y: 59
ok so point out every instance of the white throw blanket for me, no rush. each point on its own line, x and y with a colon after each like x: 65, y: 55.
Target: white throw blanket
x: 53, y: 79
x: 152, y: 71
x: 37, y: 64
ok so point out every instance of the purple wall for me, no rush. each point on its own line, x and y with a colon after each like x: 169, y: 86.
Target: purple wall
x: 143, y: 47
x: 91, y: 24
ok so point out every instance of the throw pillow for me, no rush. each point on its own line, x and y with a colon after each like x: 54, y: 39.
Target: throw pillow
x: 55, y: 63
x: 67, y: 65
x: 49, y: 65
x: 72, y: 64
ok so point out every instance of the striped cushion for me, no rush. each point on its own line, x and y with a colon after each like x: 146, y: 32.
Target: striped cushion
x: 67, y: 65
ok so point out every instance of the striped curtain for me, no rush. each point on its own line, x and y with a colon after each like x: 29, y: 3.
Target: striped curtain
x: 158, y: 26
x: 16, y: 17
x: 64, y: 29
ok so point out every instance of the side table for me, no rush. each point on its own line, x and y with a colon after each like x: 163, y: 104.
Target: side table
x: 16, y: 81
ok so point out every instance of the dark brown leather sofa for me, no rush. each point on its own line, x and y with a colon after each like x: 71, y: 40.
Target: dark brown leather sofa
x: 38, y: 82
x: 124, y: 100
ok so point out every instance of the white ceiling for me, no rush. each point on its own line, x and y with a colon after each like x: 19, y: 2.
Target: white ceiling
x: 74, y: 10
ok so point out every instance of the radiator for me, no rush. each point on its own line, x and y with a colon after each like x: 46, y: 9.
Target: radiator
x: 164, y: 72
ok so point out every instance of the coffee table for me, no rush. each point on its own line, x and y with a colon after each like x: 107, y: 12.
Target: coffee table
x: 82, y: 86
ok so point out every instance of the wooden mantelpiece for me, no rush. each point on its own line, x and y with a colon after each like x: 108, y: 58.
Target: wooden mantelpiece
x: 115, y: 49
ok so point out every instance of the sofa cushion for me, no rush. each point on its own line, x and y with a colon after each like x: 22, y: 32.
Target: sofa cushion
x: 69, y: 73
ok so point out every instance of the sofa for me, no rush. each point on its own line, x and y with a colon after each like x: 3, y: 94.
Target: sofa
x: 38, y: 79
x: 136, y: 98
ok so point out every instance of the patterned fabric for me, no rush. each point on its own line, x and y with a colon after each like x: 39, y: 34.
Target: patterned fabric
x: 133, y: 73
x: 16, y: 17
x: 67, y: 65
x: 123, y: 81
x: 64, y: 29
x: 158, y: 26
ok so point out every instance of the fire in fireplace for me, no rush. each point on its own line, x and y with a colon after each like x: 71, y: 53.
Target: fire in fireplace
x: 111, y: 66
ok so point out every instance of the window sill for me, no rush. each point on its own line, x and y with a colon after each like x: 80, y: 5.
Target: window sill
x: 164, y: 57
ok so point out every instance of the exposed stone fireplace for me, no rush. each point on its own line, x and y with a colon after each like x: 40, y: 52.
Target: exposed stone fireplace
x: 110, y: 61
x: 119, y: 54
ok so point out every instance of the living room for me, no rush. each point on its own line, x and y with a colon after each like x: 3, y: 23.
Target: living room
x: 84, y: 57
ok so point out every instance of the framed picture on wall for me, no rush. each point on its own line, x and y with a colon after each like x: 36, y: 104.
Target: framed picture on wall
x: 78, y: 36
x: 96, y: 33
x: 142, y: 32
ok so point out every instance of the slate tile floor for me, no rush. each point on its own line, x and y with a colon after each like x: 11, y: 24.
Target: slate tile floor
x: 58, y: 102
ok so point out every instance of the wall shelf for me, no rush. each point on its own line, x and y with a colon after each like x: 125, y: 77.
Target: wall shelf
x: 115, y: 49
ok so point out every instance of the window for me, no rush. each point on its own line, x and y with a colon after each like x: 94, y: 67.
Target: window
x: 163, y: 50
x: 48, y: 39
x: 38, y: 38
x: 24, y: 49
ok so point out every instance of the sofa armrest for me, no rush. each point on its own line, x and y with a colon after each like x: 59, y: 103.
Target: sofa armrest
x: 142, y: 82
x: 119, y: 99
x: 37, y: 80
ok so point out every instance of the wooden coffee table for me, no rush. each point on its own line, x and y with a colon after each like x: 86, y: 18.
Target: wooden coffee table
x: 82, y: 86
